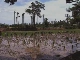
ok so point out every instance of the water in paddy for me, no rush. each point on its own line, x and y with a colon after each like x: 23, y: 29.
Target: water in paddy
x: 50, y: 44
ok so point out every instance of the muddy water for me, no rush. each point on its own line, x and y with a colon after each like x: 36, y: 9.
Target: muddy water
x: 58, y: 45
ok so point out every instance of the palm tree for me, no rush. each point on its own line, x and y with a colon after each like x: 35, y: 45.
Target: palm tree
x: 35, y: 9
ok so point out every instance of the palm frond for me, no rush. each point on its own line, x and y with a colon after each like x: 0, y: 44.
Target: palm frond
x: 28, y: 11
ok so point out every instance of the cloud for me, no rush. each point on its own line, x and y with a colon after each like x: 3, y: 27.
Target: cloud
x: 54, y: 9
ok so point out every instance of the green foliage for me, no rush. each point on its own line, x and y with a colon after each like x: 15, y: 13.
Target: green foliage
x: 75, y: 12
x: 4, y: 25
x: 10, y: 1
x: 21, y: 27
x: 35, y: 9
x: 46, y: 23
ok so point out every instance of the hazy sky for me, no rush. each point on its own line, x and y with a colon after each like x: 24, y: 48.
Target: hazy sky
x: 54, y: 9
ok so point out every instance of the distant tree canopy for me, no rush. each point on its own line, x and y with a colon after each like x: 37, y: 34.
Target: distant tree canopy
x: 11, y: 2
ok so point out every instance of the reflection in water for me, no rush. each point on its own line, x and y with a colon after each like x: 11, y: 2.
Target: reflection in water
x: 59, y: 45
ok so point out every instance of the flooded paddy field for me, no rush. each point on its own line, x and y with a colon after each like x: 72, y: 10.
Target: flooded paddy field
x: 39, y: 46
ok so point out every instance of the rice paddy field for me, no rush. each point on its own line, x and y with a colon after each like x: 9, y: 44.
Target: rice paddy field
x: 46, y: 31
x: 39, y: 45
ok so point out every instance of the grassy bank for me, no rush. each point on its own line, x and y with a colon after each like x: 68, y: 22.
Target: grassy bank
x: 30, y: 32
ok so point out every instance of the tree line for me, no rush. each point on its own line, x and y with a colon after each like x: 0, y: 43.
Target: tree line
x: 34, y: 9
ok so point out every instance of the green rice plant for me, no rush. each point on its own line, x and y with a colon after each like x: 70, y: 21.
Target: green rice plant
x: 78, y: 38
x: 0, y: 41
x: 53, y: 44
x: 67, y: 38
x: 24, y: 42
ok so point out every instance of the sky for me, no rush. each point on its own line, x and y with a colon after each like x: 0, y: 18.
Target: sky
x: 54, y: 9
